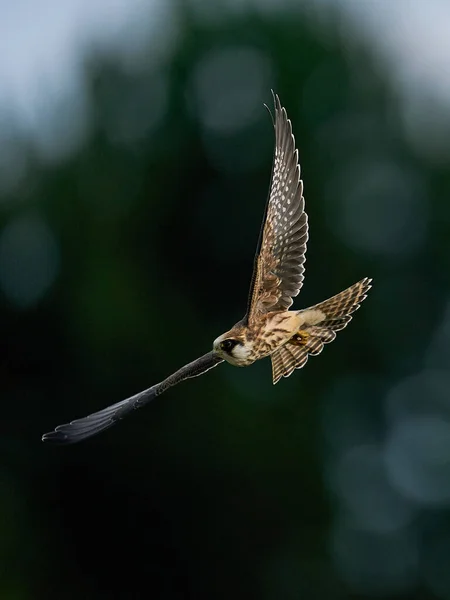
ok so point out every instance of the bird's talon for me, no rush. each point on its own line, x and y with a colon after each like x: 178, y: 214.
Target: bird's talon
x: 300, y: 338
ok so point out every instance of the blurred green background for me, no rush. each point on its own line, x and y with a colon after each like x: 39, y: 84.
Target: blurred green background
x: 135, y: 156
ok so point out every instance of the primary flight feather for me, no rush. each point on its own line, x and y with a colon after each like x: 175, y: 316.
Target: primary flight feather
x: 269, y: 328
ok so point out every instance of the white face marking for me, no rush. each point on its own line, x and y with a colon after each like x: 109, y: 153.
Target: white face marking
x: 240, y: 353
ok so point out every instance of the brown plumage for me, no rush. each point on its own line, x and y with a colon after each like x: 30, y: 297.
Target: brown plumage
x: 337, y: 313
x: 268, y: 328
x: 279, y: 264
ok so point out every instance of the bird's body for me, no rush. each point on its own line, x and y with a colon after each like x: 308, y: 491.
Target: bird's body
x: 262, y: 338
x: 268, y: 328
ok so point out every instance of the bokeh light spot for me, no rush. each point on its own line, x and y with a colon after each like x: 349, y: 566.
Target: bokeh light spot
x: 418, y: 459
x: 29, y: 260
x: 423, y: 394
x: 360, y: 481
x: 384, y: 564
x: 382, y: 208
x: 229, y: 86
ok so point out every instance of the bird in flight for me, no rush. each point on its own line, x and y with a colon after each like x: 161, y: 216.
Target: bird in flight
x: 268, y: 328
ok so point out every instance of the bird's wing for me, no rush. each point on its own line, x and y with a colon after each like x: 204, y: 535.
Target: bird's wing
x: 80, y: 429
x: 280, y: 255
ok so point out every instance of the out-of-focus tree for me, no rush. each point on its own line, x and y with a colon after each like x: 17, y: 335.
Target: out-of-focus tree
x: 129, y: 214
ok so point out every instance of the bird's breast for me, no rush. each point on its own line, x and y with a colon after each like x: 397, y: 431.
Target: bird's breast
x: 273, y: 330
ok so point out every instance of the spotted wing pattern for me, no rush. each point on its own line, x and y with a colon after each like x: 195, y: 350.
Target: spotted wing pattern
x: 279, y: 264
x: 337, y: 314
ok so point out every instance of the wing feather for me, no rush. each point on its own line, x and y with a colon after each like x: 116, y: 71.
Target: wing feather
x: 279, y: 262
x: 81, y: 429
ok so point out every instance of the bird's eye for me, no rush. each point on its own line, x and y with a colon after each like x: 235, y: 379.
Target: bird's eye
x: 228, y: 345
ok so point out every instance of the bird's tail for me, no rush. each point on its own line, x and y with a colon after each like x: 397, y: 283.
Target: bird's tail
x: 310, y: 340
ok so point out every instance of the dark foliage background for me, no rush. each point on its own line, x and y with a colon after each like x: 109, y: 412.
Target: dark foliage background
x: 126, y: 247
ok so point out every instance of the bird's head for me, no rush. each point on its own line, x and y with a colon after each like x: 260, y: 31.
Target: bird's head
x: 234, y: 347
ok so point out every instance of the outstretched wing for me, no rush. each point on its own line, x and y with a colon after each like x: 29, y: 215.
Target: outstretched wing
x: 280, y: 256
x: 79, y: 430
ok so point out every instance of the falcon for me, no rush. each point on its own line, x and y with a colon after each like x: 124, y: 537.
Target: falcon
x: 268, y: 328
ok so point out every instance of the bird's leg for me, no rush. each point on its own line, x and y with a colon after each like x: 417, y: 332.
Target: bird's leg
x: 300, y: 338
